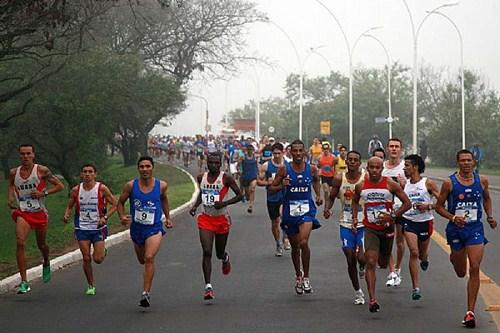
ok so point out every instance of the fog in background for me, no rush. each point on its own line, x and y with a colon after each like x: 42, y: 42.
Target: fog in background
x: 309, y: 25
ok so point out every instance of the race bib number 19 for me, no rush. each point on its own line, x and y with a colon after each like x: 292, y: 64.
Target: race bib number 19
x: 210, y: 198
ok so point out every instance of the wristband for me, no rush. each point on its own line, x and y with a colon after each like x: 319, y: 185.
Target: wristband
x: 453, y: 218
x: 489, y: 218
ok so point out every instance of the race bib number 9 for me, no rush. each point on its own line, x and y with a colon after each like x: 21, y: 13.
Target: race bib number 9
x: 373, y: 213
x: 299, y: 207
x: 29, y: 205
x: 470, y: 215
x: 144, y: 217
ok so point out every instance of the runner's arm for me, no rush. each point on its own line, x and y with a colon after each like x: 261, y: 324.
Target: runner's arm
x: 316, y: 184
x: 164, y: 203
x: 192, y: 211
x: 120, y: 206
x: 261, y: 178
x: 398, y: 191
x: 277, y: 184
x: 330, y: 200
x: 487, y: 203
x: 11, y: 190
x: 47, y: 175
x: 110, y: 199
x: 229, y: 181
x: 71, y: 204
x: 355, y: 206
x: 443, y: 196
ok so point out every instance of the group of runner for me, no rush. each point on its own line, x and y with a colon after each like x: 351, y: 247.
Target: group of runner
x: 389, y: 200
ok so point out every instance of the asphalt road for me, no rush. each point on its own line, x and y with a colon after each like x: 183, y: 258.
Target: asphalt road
x: 258, y: 295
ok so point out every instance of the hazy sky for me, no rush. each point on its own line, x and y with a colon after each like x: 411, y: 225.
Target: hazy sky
x: 309, y: 25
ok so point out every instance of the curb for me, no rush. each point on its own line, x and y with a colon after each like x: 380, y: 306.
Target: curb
x: 60, y: 262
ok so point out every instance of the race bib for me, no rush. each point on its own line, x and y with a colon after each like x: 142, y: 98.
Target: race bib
x: 373, y: 213
x: 209, y: 198
x: 470, y: 215
x: 89, y: 215
x: 348, y: 213
x: 29, y: 205
x: 144, y: 217
x: 273, y: 175
x: 299, y: 207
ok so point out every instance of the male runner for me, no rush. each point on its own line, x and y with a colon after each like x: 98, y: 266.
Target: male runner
x: 394, y: 168
x: 340, y: 161
x: 91, y: 199
x: 248, y: 166
x: 267, y: 173
x: 28, y: 185
x: 344, y: 185
x: 465, y: 191
x: 299, y: 210
x: 326, y: 165
x: 315, y: 151
x: 418, y: 221
x: 377, y: 193
x: 148, y: 199
x: 214, y: 222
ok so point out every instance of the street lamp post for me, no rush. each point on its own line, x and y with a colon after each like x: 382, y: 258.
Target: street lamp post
x: 462, y: 83
x: 300, y: 69
x: 206, y: 111
x: 390, y: 119
x: 415, y: 33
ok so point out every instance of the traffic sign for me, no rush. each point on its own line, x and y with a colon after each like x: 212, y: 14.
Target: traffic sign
x: 380, y: 120
x: 324, y: 127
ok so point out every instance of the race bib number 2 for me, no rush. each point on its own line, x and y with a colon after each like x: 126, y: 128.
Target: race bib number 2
x: 470, y: 215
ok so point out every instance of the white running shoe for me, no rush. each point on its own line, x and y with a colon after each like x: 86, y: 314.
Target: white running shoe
x: 391, y: 279
x: 279, y: 251
x: 299, y: 285
x: 307, y: 285
x: 397, y: 279
x: 359, y: 298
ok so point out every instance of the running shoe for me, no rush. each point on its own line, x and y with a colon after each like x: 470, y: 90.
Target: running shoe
x: 46, y: 273
x: 226, y: 265
x: 397, y: 280
x: 306, y: 285
x: 299, y: 286
x: 90, y: 291
x: 279, y: 251
x: 23, y: 288
x: 373, y: 306
x: 359, y: 297
x: 469, y: 320
x: 145, y: 300
x: 286, y: 243
x: 415, y: 294
x: 424, y: 264
x: 391, y: 279
x: 361, y: 272
x: 208, y: 295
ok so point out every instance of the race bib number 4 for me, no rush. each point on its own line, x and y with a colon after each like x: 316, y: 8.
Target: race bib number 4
x: 29, y: 205
x: 373, y: 213
x: 144, y: 217
x: 89, y: 215
x: 470, y: 215
x: 299, y: 207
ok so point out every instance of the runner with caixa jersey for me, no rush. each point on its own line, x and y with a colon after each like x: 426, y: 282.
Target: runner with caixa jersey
x: 465, y: 192
x: 28, y: 185
x: 299, y: 210
x: 377, y: 194
x: 214, y: 222
x: 148, y: 199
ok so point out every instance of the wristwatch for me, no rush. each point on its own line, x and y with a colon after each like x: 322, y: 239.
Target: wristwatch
x: 45, y: 192
x: 106, y: 217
